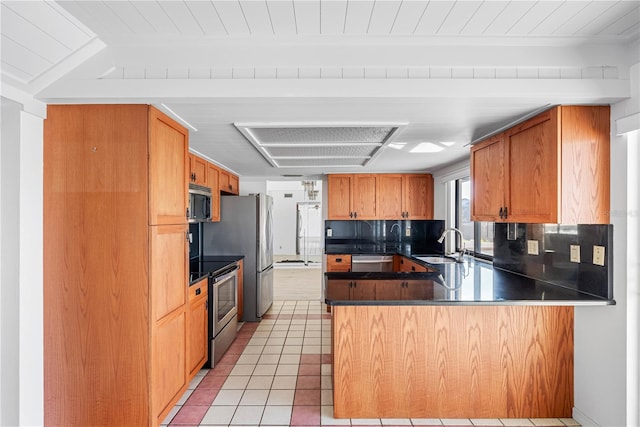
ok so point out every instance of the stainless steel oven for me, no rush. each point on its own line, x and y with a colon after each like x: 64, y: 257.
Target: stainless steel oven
x: 223, y: 321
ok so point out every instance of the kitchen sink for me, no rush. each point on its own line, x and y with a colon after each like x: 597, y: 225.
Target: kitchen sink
x: 436, y: 259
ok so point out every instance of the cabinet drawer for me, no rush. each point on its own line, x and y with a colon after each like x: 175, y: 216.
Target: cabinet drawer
x: 198, y: 290
x: 338, y: 262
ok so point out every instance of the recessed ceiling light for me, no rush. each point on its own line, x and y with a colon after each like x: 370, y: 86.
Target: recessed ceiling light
x: 397, y: 145
x: 448, y: 143
x: 426, y: 147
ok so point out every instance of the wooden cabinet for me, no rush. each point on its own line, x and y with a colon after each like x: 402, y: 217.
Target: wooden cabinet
x: 115, y: 264
x: 213, y: 182
x: 553, y: 168
x: 198, y: 326
x: 229, y: 182
x: 197, y: 170
x: 352, y: 196
x: 405, y: 196
x: 341, y: 262
x: 404, y: 290
x: 405, y: 265
x: 380, y: 196
x: 352, y: 289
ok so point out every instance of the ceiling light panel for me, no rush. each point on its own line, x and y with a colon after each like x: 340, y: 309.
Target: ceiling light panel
x: 318, y: 145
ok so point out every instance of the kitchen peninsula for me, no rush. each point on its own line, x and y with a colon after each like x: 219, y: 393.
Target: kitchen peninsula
x: 464, y: 340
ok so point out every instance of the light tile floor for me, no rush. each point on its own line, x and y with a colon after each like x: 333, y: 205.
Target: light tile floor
x: 278, y: 373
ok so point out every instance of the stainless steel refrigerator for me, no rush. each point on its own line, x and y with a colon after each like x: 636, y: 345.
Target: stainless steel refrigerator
x: 245, y: 228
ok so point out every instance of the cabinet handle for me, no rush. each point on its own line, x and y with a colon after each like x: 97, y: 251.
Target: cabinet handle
x: 338, y: 259
x: 355, y: 214
x: 187, y: 213
x: 413, y: 268
x: 505, y: 213
x: 350, y: 214
x: 501, y: 212
x: 198, y: 291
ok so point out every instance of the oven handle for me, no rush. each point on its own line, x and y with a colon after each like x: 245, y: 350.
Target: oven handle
x: 227, y: 274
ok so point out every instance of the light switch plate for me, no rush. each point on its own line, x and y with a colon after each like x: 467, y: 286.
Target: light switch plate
x: 532, y: 247
x: 575, y: 253
x: 407, y: 232
x: 598, y: 255
x: 329, y: 232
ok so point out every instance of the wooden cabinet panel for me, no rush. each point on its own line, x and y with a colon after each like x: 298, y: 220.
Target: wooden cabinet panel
x: 418, y: 196
x: 488, y: 179
x: 363, y: 196
x: 390, y: 196
x: 442, y: 362
x: 340, y: 288
x: 198, y: 326
x: 198, y: 168
x: 213, y: 182
x: 364, y: 290
x: 339, y: 197
x: 229, y: 182
x: 405, y: 265
x: 390, y: 289
x: 341, y: 262
x: 168, y: 170
x: 168, y: 363
x: 169, y: 271
x: 553, y: 168
x: 380, y: 196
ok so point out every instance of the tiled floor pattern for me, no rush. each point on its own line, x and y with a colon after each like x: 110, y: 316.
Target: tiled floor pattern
x: 277, y: 373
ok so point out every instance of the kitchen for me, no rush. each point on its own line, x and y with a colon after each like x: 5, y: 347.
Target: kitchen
x: 596, y: 324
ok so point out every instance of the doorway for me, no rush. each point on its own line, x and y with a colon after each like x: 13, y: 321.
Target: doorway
x: 309, y: 232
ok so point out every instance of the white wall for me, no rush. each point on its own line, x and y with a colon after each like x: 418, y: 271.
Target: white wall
x: 606, y: 384
x: 21, y: 292
x: 252, y: 186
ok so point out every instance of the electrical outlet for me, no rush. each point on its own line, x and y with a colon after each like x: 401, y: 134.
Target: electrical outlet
x: 575, y: 253
x: 329, y: 232
x: 407, y: 232
x: 532, y: 247
x: 598, y: 255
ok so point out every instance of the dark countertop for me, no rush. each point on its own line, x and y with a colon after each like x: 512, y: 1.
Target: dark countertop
x: 472, y: 282
x: 210, y: 266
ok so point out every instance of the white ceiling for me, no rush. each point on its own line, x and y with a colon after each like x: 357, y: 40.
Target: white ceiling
x: 449, y: 71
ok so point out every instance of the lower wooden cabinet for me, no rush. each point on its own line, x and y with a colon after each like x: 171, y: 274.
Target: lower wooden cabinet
x: 404, y: 264
x: 340, y: 262
x: 198, y: 325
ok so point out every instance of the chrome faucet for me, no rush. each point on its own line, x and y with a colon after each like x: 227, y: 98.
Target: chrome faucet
x: 397, y: 233
x: 463, y: 250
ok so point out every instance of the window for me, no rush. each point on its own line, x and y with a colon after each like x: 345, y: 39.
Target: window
x: 478, y: 236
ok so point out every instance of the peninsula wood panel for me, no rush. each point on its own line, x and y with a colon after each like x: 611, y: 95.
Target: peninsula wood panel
x: 586, y: 156
x: 452, y: 362
x: 96, y: 309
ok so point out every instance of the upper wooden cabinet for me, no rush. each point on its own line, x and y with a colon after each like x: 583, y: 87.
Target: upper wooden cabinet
x: 115, y: 264
x: 553, y: 168
x: 229, y: 182
x: 168, y: 170
x: 405, y: 196
x: 352, y: 196
x: 197, y: 170
x: 380, y: 196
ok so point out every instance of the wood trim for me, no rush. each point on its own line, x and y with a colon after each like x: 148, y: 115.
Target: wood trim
x: 452, y: 362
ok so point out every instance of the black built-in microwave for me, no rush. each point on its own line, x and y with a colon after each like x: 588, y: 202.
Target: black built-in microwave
x: 199, y: 203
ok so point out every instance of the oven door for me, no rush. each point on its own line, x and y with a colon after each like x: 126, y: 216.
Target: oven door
x: 225, y: 300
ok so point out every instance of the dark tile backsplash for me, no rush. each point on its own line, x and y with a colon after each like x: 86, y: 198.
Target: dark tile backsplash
x: 423, y: 234
x: 553, y: 264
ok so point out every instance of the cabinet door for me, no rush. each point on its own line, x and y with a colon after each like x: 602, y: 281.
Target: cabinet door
x: 339, y: 200
x: 363, y: 290
x: 213, y: 182
x: 234, y: 184
x: 198, y: 323
x: 229, y: 182
x: 389, y: 196
x: 533, y: 171
x: 418, y: 196
x: 488, y: 179
x: 389, y: 289
x: 419, y: 289
x: 198, y: 170
x: 363, y: 196
x: 339, y: 289
x: 168, y: 170
x: 169, y: 271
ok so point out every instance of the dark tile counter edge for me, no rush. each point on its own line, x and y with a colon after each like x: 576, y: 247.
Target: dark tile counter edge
x: 230, y: 259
